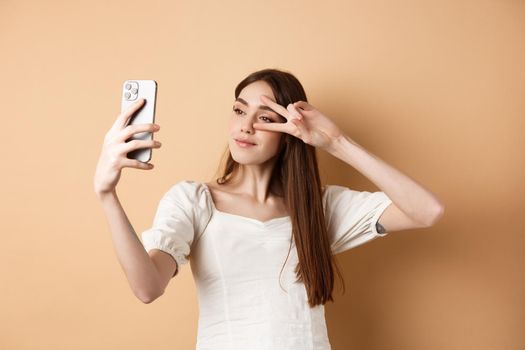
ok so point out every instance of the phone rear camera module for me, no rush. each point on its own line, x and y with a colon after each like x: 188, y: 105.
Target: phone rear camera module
x: 131, y: 90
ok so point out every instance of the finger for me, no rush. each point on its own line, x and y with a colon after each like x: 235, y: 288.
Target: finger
x: 303, y: 131
x: 292, y: 110
x: 136, y: 128
x: 275, y: 106
x: 279, y: 127
x: 136, y: 144
x: 304, y: 105
x: 133, y: 163
x: 124, y: 116
x: 302, y: 113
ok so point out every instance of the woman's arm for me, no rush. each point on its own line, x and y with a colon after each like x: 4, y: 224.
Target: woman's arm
x: 140, y: 270
x: 413, y: 205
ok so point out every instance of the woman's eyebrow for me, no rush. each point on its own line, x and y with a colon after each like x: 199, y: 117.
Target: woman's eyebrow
x: 262, y: 107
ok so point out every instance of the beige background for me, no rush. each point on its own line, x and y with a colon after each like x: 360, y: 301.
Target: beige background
x: 435, y: 88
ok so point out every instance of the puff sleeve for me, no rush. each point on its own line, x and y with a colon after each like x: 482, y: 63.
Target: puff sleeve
x: 181, y: 216
x: 351, y: 216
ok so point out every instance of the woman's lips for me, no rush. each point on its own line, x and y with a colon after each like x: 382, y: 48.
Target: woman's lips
x: 244, y: 144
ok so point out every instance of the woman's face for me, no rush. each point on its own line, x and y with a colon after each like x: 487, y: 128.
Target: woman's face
x: 249, y: 109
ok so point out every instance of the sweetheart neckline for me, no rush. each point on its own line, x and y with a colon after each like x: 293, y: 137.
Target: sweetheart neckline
x: 264, y: 223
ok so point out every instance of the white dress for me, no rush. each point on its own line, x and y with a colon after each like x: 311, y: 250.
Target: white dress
x: 236, y: 261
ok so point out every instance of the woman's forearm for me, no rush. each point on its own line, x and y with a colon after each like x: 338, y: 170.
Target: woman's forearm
x: 140, y: 270
x: 412, y: 198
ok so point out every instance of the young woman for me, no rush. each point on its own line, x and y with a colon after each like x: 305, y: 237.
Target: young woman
x: 262, y: 237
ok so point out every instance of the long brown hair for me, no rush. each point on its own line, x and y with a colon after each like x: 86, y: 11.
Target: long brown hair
x: 297, y: 175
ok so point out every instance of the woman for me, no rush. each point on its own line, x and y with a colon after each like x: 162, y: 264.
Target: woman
x: 262, y: 237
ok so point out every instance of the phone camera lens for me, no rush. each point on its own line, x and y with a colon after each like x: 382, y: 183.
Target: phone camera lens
x: 128, y: 86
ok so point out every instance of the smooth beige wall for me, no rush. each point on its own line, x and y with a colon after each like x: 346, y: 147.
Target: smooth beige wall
x: 435, y: 88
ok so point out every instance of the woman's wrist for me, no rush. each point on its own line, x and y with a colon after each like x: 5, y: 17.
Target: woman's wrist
x: 103, y: 196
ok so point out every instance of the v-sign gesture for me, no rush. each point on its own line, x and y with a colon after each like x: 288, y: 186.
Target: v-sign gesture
x: 303, y: 121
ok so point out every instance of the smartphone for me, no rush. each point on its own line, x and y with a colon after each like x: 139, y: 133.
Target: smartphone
x: 132, y: 91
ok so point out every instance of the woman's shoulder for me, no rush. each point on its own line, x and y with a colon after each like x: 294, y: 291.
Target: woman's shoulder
x: 187, y: 189
x: 193, y: 196
x: 333, y: 192
x: 326, y: 189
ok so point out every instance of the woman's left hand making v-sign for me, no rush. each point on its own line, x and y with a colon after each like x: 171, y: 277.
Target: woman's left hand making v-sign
x: 303, y: 121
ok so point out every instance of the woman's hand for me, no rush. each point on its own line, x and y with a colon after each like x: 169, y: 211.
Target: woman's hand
x: 304, y: 121
x: 114, y: 152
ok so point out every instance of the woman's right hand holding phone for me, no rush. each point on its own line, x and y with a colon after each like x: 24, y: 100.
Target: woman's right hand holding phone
x: 114, y: 152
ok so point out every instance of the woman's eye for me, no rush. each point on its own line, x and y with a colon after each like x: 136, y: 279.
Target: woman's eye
x: 238, y: 111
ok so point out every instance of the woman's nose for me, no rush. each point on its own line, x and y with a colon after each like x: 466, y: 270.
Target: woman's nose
x: 248, y: 130
x: 247, y: 125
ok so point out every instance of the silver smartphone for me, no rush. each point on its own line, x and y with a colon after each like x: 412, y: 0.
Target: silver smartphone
x: 133, y: 90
